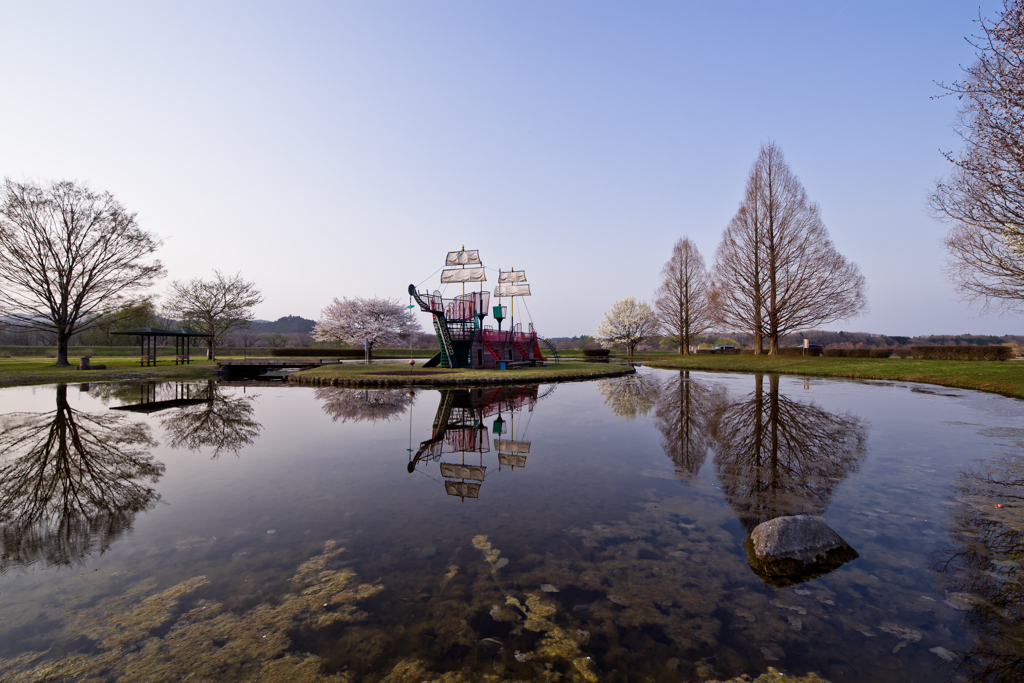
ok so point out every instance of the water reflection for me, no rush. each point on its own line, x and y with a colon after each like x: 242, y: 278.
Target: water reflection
x: 631, y: 396
x: 70, y: 483
x: 372, y: 405
x: 775, y: 456
x: 983, y: 568
x: 212, y: 419
x: 459, y: 429
x: 685, y: 409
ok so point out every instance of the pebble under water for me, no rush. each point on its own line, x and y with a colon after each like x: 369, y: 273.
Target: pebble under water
x: 590, y: 531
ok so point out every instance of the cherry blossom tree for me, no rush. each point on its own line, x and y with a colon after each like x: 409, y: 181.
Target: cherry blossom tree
x: 629, y: 322
x: 381, y: 322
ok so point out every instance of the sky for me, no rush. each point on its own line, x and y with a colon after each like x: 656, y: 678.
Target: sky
x: 340, y: 149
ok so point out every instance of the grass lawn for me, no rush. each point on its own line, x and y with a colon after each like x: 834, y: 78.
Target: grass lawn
x: 402, y: 373
x: 22, y: 370
x: 1006, y: 378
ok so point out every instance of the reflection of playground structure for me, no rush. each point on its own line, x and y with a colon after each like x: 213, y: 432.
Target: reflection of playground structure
x: 459, y: 428
x: 775, y: 456
x: 70, y: 483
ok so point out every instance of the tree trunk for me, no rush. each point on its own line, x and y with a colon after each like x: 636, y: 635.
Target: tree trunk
x: 211, y: 347
x: 62, y: 348
x: 758, y: 350
x: 773, y: 345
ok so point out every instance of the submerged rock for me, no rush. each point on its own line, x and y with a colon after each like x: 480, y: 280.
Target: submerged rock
x: 788, y: 550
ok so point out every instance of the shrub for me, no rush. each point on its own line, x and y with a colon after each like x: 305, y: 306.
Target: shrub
x: 791, y: 351
x: 903, y: 352
x: 5, y: 354
x: 995, y: 352
x: 51, y: 354
x: 292, y: 352
x: 848, y: 353
x: 881, y: 353
x: 86, y: 353
x: 596, y: 353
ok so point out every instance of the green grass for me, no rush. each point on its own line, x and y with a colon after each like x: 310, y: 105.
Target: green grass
x: 1006, y: 378
x: 353, y: 371
x: 22, y: 370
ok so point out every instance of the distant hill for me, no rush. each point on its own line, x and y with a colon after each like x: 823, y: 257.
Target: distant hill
x: 285, y: 325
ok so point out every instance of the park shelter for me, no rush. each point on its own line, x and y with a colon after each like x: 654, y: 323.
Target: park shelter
x: 147, y: 342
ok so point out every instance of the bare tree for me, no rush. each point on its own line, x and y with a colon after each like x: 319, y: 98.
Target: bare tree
x: 682, y: 299
x: 71, y: 482
x: 69, y: 257
x: 275, y: 339
x: 776, y: 269
x: 222, y: 422
x: 984, y: 194
x: 629, y: 322
x: 775, y: 456
x: 217, y: 307
x: 247, y: 337
x: 381, y: 322
x: 684, y: 410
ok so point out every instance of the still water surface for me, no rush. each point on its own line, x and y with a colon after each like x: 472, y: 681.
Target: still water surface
x: 583, y: 531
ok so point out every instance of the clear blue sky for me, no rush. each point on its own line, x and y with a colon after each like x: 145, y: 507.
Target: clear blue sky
x: 340, y: 149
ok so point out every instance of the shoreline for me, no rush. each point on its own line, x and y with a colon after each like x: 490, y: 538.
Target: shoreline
x: 1005, y: 378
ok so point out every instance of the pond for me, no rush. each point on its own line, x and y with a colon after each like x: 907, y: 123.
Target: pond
x: 579, y: 531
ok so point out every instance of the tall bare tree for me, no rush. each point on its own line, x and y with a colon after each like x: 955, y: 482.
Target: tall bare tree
x: 984, y: 194
x: 776, y: 269
x: 71, y: 482
x: 776, y: 456
x: 736, y: 300
x: 682, y: 299
x: 68, y: 258
x: 217, y: 307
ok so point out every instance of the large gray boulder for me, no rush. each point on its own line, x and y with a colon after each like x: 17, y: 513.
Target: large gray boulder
x: 789, y: 550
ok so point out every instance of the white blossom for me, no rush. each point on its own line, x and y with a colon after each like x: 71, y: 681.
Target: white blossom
x: 382, y: 322
x: 629, y: 322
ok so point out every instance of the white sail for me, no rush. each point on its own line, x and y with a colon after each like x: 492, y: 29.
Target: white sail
x: 462, y: 489
x: 507, y: 446
x: 510, y: 460
x: 463, y: 275
x: 512, y: 290
x: 470, y: 257
x: 512, y: 276
x: 455, y: 471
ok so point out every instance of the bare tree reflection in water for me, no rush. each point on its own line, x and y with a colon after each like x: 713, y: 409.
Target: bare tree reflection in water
x: 221, y: 422
x: 376, y: 405
x: 631, y: 396
x: 685, y: 409
x: 70, y: 483
x: 775, y: 456
x: 983, y: 568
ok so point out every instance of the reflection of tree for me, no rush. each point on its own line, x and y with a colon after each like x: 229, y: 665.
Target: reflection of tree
x: 70, y: 483
x: 376, y: 405
x: 631, y: 396
x: 775, y: 456
x: 221, y: 422
x: 684, y: 410
x: 983, y: 569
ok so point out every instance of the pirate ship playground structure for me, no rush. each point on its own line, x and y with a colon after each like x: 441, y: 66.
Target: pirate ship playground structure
x: 464, y: 340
